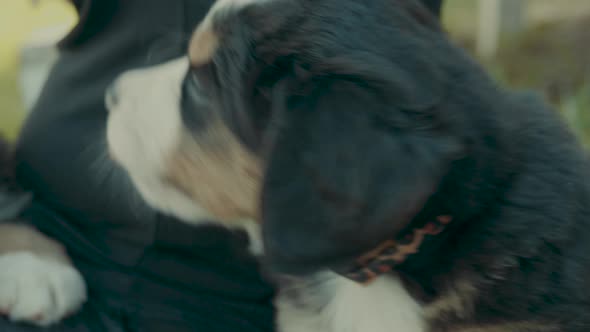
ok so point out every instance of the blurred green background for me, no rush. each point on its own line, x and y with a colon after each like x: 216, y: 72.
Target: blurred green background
x: 20, y: 20
x: 551, y: 53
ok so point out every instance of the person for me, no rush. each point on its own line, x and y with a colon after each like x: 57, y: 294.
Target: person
x: 435, y: 6
x: 145, y: 271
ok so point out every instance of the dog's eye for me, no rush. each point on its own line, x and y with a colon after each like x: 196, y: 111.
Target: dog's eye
x: 194, y: 102
x: 263, y: 95
x: 260, y: 113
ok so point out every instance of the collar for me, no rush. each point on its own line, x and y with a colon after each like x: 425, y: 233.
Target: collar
x: 392, y: 253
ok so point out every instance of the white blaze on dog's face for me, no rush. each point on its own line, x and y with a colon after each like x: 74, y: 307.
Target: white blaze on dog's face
x: 189, y: 173
x: 145, y: 128
x: 174, y: 170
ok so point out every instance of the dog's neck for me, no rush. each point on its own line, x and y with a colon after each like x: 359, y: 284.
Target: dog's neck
x: 421, y: 246
x: 392, y: 253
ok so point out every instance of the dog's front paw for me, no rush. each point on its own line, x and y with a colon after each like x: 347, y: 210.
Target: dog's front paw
x: 38, y: 290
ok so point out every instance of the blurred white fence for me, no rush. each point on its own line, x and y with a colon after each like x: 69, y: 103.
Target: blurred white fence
x: 496, y: 19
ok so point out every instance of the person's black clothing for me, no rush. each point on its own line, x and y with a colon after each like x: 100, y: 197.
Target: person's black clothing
x: 435, y: 6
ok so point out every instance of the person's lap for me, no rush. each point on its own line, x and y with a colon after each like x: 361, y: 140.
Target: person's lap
x: 97, y: 316
x: 90, y: 319
x: 82, y: 323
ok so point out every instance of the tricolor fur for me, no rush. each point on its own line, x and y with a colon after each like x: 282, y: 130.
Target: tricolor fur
x: 336, y: 125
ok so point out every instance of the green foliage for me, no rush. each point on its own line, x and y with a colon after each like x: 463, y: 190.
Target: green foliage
x: 576, y: 109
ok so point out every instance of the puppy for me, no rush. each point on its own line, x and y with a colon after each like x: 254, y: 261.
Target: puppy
x: 397, y: 188
x: 38, y: 284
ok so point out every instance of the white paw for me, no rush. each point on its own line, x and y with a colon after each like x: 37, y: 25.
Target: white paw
x: 38, y: 290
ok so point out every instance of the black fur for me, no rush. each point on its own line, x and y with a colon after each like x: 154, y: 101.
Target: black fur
x: 371, y: 122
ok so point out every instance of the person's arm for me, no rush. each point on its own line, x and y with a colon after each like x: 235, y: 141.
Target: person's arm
x: 93, y: 16
x: 435, y: 6
x: 12, y: 200
x: 12, y: 204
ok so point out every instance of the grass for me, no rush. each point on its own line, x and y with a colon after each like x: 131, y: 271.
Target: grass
x: 18, y: 19
x: 576, y: 108
x: 460, y: 18
x: 552, y: 55
x: 553, y: 58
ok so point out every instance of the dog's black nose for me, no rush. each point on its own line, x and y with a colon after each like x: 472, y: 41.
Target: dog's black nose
x: 111, y: 97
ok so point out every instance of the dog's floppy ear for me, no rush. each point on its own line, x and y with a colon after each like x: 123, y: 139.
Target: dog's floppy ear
x: 345, y: 172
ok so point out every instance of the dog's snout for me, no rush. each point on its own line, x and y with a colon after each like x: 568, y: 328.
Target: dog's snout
x: 111, y: 97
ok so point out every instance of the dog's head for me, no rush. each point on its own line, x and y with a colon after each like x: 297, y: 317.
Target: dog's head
x: 322, y: 119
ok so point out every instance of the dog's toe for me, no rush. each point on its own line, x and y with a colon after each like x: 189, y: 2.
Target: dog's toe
x: 38, y: 290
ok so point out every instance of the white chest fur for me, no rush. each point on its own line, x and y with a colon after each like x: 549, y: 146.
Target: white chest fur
x: 331, y: 303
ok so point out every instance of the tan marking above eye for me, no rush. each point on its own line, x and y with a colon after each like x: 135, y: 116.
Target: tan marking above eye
x: 203, y: 44
x: 205, y: 40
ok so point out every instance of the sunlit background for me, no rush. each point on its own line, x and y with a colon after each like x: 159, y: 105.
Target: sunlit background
x: 542, y: 45
x: 23, y: 26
